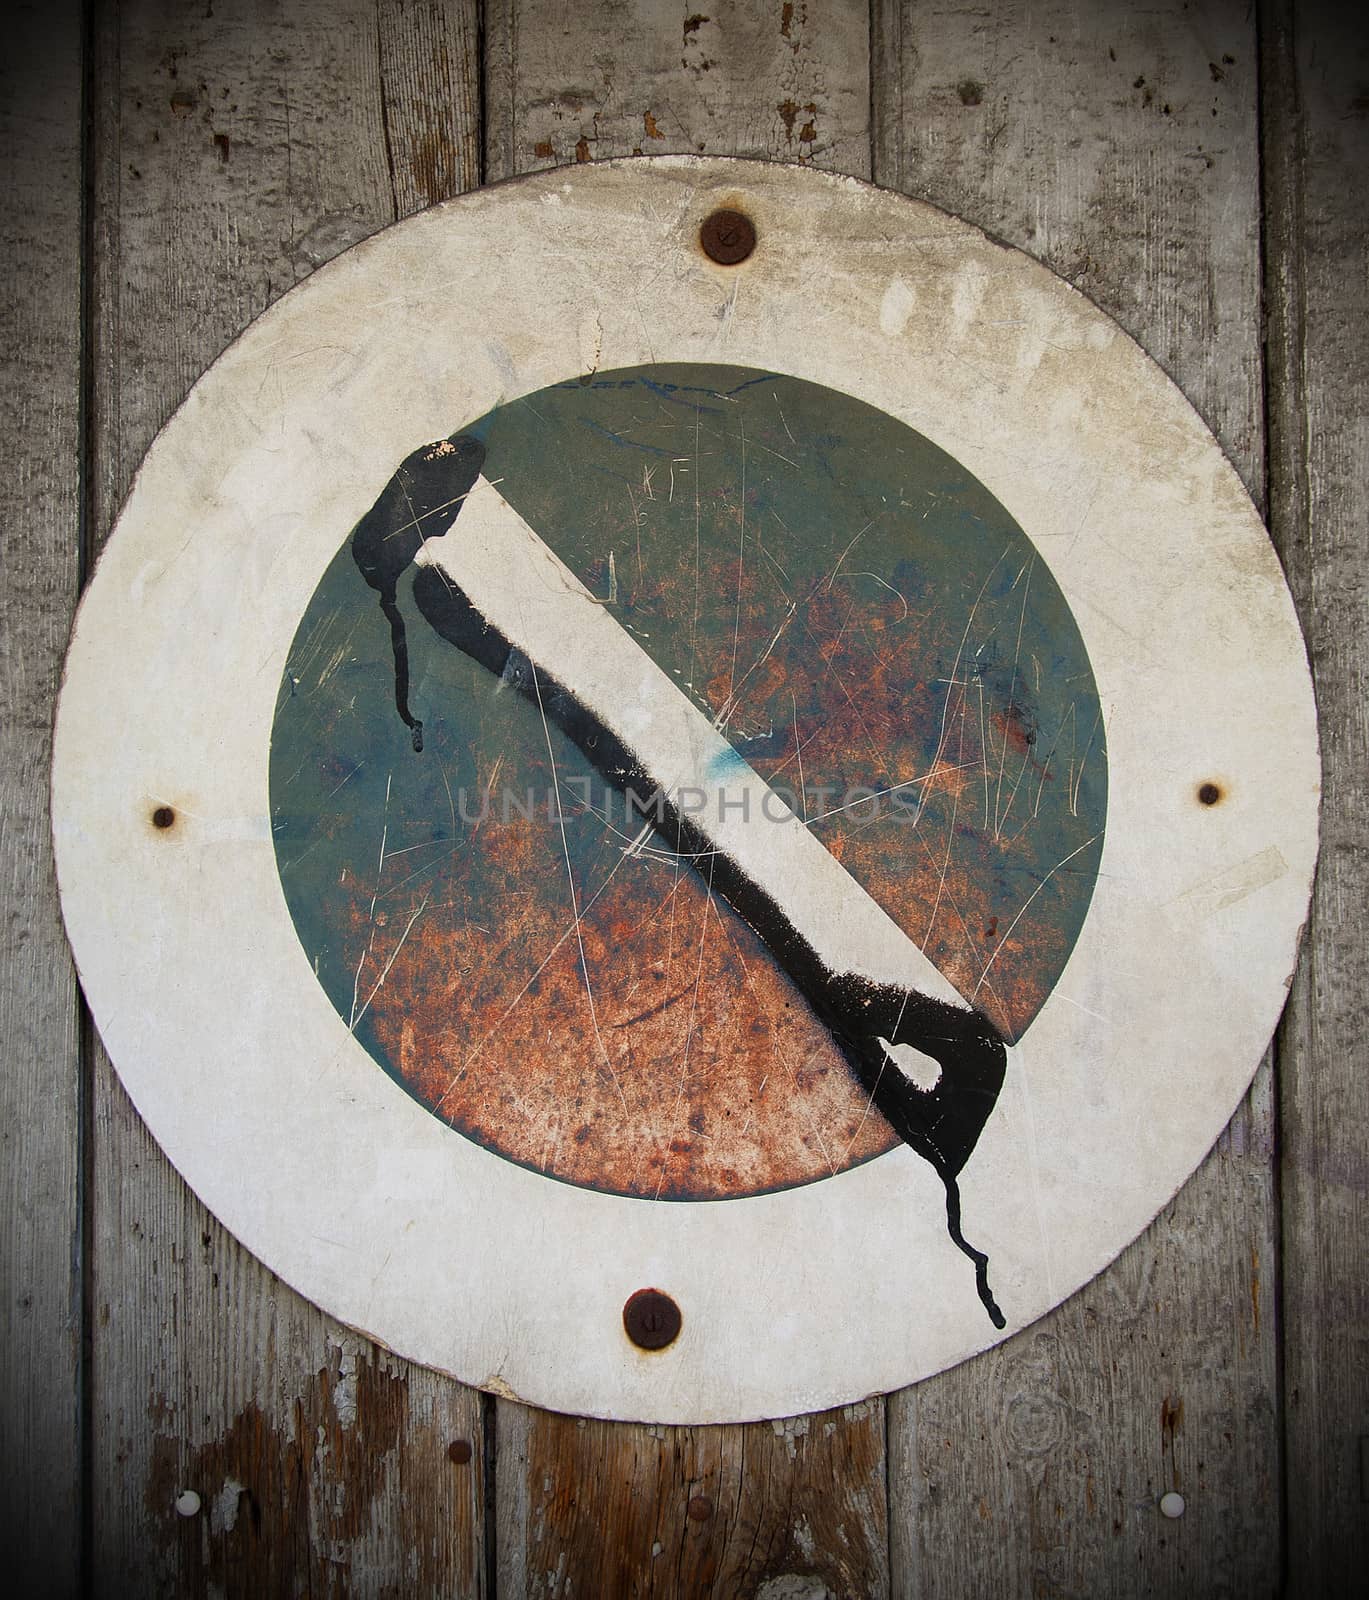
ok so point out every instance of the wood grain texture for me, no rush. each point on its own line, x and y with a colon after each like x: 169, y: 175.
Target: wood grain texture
x: 1118, y: 145
x: 794, y: 1510
x: 791, y: 1510
x: 235, y: 149
x: 770, y: 79
x: 1316, y: 149
x: 429, y: 65
x: 40, y: 1236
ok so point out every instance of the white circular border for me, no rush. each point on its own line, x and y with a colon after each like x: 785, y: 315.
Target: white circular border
x: 352, y: 1191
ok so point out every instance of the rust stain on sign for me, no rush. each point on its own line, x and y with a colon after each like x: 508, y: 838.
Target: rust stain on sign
x: 876, y: 641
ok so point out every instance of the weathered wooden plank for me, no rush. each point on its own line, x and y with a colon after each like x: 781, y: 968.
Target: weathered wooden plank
x: 236, y: 149
x: 794, y: 1509
x: 40, y: 1259
x: 1118, y: 145
x: 1316, y: 153
x: 779, y: 81
x: 791, y: 1510
x: 430, y: 99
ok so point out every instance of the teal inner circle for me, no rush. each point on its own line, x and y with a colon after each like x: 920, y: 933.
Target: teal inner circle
x: 872, y: 627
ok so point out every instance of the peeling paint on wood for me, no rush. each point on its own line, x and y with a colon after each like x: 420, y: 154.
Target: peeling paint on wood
x: 360, y: 1489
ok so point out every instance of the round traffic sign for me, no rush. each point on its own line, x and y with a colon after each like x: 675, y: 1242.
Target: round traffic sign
x: 591, y: 768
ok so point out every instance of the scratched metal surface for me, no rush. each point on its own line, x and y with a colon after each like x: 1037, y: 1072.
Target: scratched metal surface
x: 239, y: 1343
x: 875, y: 637
x: 245, y: 1051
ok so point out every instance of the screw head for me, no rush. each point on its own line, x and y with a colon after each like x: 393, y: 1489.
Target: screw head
x: 1209, y: 794
x: 727, y: 236
x: 163, y: 817
x: 651, y: 1319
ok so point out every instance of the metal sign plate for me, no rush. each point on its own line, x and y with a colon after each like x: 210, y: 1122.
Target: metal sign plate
x: 685, y: 816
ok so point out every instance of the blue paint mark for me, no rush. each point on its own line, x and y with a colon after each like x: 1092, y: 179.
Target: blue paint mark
x: 726, y: 764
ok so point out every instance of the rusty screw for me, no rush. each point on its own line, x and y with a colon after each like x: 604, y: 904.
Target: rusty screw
x: 163, y: 817
x: 727, y: 237
x: 651, y: 1319
x: 1209, y: 794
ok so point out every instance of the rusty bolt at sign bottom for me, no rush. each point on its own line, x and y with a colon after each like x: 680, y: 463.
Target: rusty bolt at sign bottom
x: 651, y: 1319
x: 727, y: 237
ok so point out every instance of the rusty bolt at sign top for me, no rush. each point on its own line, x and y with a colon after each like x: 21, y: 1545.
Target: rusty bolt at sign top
x: 651, y: 1319
x: 727, y: 237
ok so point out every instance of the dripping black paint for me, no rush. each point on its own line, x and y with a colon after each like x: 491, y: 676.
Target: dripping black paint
x: 942, y: 1124
x: 417, y: 503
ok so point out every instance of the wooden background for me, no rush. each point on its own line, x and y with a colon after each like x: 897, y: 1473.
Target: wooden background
x: 169, y: 169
